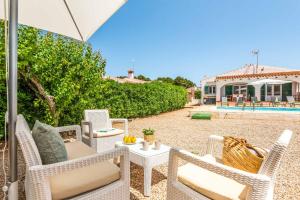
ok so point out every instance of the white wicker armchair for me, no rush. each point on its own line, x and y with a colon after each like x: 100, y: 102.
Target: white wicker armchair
x: 38, y: 180
x: 99, y: 119
x: 258, y: 186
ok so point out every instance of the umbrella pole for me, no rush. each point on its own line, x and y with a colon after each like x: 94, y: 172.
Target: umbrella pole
x: 12, y: 99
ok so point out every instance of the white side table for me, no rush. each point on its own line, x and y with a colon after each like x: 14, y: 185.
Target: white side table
x: 147, y: 159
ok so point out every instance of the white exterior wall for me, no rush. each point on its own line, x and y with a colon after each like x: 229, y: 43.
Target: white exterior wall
x: 257, y: 91
x: 219, y: 86
x: 202, y: 85
x: 294, y: 88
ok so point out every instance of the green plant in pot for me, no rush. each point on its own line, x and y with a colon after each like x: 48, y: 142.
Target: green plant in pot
x: 149, y: 135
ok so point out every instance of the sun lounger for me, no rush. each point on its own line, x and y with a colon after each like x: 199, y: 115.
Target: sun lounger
x: 240, y: 101
x: 254, y: 102
x: 291, y: 101
x: 270, y: 100
x: 276, y: 101
x: 224, y: 101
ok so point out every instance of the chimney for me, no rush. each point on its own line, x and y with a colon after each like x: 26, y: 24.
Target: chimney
x: 130, y: 74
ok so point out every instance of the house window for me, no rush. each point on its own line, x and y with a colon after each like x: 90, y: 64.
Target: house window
x: 277, y: 90
x: 243, y: 90
x: 211, y: 89
x: 269, y: 90
x: 240, y: 89
x: 236, y: 89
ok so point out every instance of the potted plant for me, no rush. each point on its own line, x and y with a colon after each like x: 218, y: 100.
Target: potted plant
x: 149, y: 135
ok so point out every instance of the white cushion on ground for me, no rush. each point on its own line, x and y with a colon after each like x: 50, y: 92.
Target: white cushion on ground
x: 81, y: 180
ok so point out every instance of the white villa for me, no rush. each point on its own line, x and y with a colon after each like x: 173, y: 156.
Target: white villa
x: 238, y: 82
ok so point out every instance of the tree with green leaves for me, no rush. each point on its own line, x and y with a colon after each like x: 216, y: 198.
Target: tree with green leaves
x: 143, y: 78
x: 180, y: 81
x: 183, y: 82
x: 52, y: 70
x: 166, y: 80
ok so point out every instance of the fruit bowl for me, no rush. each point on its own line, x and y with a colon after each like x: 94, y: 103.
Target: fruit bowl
x: 129, y: 140
x: 129, y: 143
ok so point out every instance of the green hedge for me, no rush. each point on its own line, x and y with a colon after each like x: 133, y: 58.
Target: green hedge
x: 123, y: 100
x: 139, y: 100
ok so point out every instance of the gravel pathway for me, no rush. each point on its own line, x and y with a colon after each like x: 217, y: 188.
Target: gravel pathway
x: 176, y: 129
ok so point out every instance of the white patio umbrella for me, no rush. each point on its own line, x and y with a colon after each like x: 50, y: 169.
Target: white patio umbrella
x: 77, y: 19
x: 269, y: 82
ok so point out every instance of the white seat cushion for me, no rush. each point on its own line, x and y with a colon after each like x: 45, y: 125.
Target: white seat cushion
x: 113, y: 132
x: 82, y: 180
x: 210, y: 184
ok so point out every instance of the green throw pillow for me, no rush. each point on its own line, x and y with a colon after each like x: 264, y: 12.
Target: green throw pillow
x: 49, y: 143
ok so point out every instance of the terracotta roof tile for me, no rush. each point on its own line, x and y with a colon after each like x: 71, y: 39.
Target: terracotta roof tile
x: 270, y: 74
x: 251, y: 71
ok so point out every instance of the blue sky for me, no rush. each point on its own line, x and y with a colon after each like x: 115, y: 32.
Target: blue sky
x: 193, y: 38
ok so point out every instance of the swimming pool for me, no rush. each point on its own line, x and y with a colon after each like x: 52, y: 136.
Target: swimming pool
x: 276, y: 109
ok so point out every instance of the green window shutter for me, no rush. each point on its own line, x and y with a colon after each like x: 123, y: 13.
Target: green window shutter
x: 262, y: 93
x: 286, y: 90
x: 228, y: 90
x: 251, y: 91
x: 206, y: 89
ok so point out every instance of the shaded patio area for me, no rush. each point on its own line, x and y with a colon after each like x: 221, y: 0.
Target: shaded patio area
x: 262, y: 91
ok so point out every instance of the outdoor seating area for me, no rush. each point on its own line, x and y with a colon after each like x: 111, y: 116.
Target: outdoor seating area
x: 78, y: 177
x: 272, y: 101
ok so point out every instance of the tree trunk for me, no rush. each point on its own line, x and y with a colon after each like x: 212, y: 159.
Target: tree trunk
x: 38, y: 88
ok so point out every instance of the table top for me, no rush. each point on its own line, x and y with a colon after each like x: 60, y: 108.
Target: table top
x: 138, y: 148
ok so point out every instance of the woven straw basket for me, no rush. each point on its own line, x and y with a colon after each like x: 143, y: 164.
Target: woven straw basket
x: 239, y: 154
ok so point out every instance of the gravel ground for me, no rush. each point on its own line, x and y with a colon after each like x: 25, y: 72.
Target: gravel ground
x: 176, y: 129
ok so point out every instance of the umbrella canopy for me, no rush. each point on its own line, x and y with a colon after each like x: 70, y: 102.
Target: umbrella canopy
x: 77, y: 19
x: 269, y: 82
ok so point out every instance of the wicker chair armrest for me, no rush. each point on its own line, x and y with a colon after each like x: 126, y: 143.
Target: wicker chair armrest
x: 90, y: 128
x: 246, y: 178
x: 213, y: 140
x: 45, y: 171
x: 75, y: 128
x: 125, y: 121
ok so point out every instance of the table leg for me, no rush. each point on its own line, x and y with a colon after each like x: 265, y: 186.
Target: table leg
x: 147, y: 180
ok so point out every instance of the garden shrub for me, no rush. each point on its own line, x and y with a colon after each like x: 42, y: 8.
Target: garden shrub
x: 138, y: 100
x: 198, y: 94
